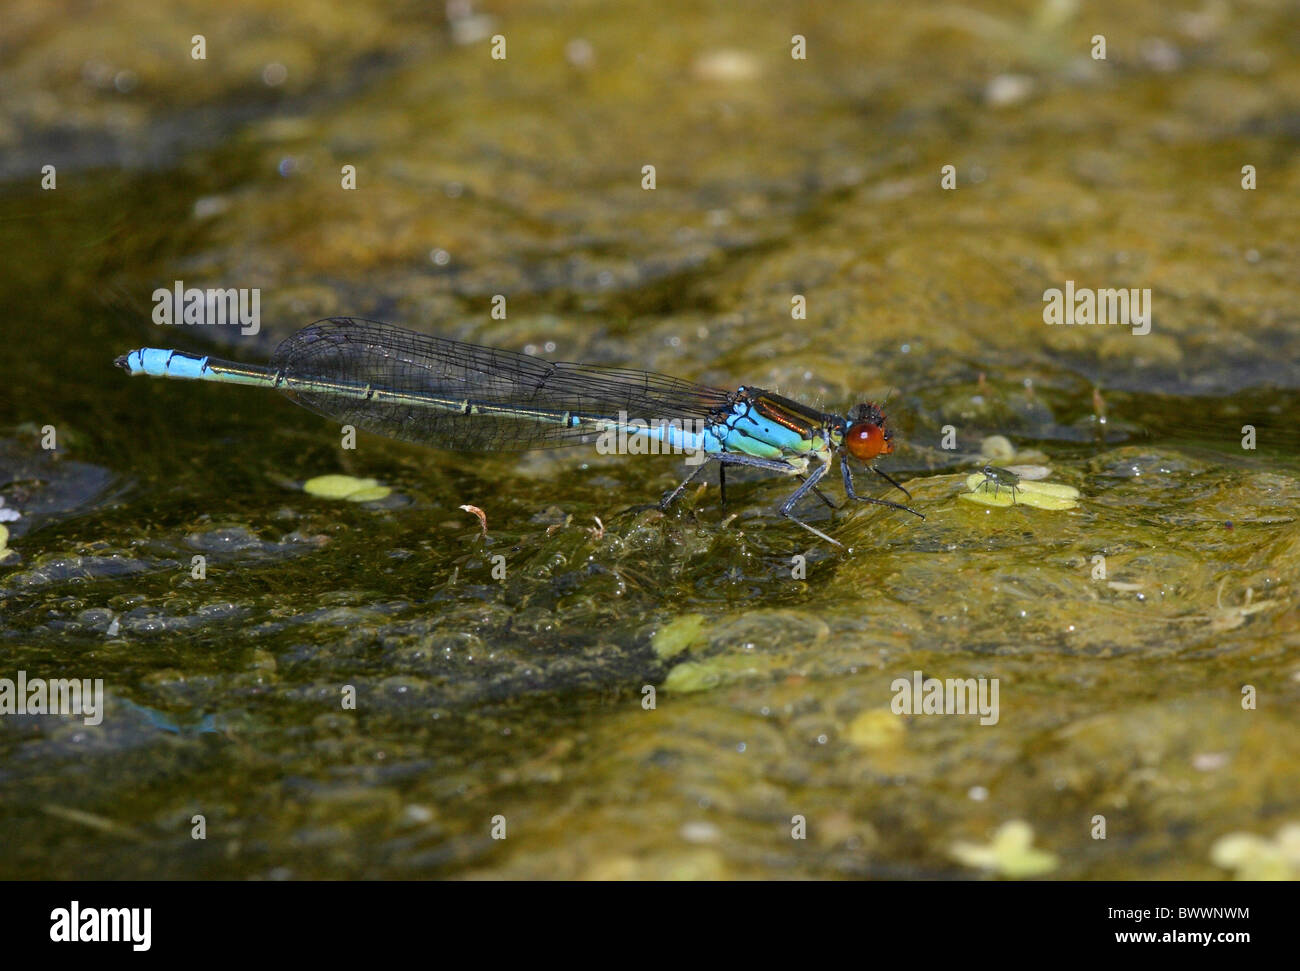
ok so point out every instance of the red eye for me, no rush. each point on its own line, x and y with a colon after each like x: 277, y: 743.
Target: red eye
x: 865, y: 440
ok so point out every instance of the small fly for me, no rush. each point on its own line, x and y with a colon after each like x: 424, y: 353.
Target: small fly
x: 999, y: 479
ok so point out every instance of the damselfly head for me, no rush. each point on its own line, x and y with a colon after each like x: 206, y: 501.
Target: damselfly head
x: 866, y: 436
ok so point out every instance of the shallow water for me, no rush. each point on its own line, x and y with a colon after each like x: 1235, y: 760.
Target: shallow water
x: 522, y: 697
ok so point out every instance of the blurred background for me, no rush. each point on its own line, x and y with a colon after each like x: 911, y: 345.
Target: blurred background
x: 522, y: 696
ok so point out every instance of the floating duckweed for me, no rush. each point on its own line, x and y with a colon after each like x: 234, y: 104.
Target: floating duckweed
x: 877, y: 730
x: 371, y: 495
x: 346, y: 487
x: 715, y: 672
x: 692, y: 676
x: 997, y: 448
x: 1011, y: 852
x: 1044, y: 495
x: 1256, y: 858
x: 678, y: 635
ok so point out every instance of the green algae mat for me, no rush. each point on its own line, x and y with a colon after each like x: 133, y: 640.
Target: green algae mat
x: 239, y: 640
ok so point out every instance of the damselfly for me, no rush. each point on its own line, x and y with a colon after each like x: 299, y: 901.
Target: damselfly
x: 463, y: 397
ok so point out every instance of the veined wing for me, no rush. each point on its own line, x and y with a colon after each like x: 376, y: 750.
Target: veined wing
x: 450, y: 394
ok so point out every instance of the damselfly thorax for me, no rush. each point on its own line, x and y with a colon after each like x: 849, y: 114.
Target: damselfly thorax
x: 767, y: 425
x: 765, y: 430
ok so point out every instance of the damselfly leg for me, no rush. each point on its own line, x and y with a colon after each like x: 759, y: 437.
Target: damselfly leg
x: 769, y: 465
x: 848, y: 491
x: 888, y: 478
x: 671, y: 497
x: 809, y: 484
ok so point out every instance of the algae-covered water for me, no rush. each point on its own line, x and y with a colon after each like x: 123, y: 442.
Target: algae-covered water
x: 300, y: 686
